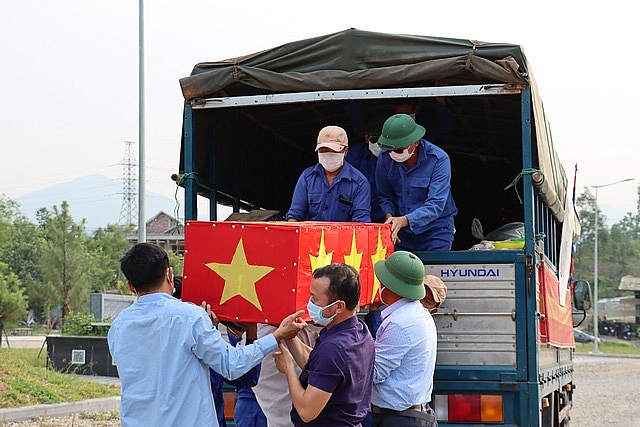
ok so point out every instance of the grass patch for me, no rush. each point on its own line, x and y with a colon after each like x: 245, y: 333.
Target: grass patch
x: 100, y: 416
x: 25, y: 380
x: 609, y: 347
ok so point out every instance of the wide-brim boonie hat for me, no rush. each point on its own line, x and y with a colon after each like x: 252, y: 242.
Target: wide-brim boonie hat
x: 400, y: 131
x: 403, y: 274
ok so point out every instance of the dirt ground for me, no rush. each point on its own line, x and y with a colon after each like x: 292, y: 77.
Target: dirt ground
x: 72, y: 420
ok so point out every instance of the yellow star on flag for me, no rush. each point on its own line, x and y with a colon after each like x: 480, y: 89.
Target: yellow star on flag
x: 240, y: 277
x: 381, y: 253
x: 323, y: 257
x: 354, y: 259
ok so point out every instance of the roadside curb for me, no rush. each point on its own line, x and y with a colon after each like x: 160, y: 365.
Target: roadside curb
x: 106, y: 404
x: 609, y: 355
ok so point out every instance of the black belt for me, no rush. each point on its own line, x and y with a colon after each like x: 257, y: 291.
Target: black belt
x: 422, y: 411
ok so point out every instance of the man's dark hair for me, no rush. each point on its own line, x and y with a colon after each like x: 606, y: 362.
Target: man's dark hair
x: 145, y: 265
x: 344, y: 283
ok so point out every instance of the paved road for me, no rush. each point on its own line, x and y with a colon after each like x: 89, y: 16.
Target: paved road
x: 607, y: 391
x: 28, y: 341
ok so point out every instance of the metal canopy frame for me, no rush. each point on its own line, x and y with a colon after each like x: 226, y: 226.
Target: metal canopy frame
x: 344, y: 95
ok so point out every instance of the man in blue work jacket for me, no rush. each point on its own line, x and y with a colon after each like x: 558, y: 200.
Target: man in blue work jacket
x: 364, y: 157
x: 331, y: 190
x: 413, y: 178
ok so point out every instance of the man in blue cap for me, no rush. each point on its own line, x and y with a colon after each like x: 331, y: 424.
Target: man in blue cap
x: 413, y: 177
x: 406, y: 346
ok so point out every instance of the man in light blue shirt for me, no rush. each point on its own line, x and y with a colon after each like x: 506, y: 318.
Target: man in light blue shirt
x: 406, y: 345
x: 163, y: 348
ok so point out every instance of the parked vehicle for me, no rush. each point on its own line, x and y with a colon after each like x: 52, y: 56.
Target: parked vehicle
x: 29, y: 322
x: 607, y: 327
x: 505, y: 339
x: 625, y: 331
x: 583, y: 337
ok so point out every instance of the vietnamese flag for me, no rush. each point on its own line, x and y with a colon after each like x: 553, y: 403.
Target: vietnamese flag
x: 556, y: 326
x: 261, y: 271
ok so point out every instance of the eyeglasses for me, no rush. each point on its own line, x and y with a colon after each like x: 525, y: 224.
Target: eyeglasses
x: 373, y: 139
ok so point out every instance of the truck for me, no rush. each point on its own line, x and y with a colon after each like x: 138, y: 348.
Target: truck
x: 505, y: 333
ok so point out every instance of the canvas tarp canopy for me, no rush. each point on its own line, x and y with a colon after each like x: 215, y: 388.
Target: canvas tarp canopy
x: 354, y: 59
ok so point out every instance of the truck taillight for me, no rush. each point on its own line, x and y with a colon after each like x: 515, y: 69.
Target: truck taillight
x: 487, y: 408
x: 230, y: 398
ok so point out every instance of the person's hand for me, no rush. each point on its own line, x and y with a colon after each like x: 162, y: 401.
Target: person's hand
x: 251, y: 329
x: 214, y: 319
x: 375, y: 305
x: 234, y: 328
x: 284, y: 359
x: 397, y: 222
x: 290, y: 326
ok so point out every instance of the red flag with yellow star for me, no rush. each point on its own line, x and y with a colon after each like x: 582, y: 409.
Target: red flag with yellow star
x: 261, y: 271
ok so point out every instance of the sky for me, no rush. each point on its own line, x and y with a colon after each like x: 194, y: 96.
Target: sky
x: 69, y: 76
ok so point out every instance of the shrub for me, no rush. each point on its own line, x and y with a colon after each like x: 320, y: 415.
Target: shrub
x: 79, y: 324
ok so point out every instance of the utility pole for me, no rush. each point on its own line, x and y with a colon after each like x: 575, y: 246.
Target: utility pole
x: 142, y: 226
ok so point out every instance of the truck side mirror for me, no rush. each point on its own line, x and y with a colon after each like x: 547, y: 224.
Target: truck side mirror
x: 581, y: 295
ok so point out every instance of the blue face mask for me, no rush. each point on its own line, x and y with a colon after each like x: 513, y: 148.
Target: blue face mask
x: 315, y: 312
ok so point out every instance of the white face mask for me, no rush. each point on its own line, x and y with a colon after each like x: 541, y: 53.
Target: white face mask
x: 380, y: 289
x: 375, y: 149
x: 401, y: 157
x: 331, y: 162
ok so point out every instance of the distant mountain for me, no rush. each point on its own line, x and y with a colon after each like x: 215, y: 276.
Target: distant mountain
x: 96, y: 198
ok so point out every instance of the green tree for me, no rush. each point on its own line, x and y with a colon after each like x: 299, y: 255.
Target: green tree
x: 9, y: 211
x: 176, y: 261
x: 65, y: 262
x: 13, y: 302
x: 107, y: 247
x: 22, y: 251
x: 618, y: 247
x: 583, y: 262
x: 630, y: 224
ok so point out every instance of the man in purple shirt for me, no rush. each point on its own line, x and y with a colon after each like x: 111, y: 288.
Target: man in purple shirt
x: 334, y: 388
x: 332, y: 189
